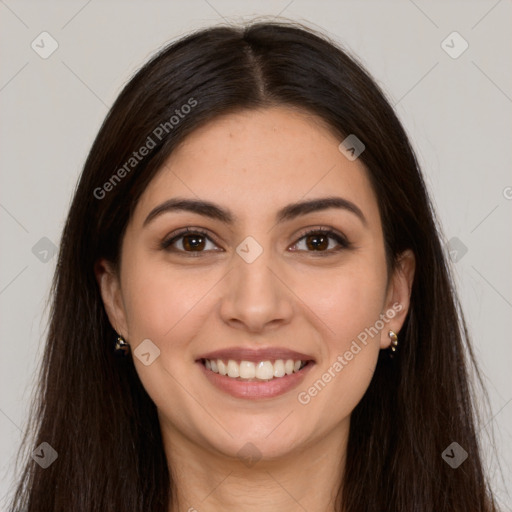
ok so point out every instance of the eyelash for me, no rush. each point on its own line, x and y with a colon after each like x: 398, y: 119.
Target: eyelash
x: 340, y: 239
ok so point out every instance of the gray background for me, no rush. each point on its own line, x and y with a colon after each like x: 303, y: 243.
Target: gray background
x: 456, y: 110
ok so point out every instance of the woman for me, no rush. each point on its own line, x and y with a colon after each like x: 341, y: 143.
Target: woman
x: 252, y: 308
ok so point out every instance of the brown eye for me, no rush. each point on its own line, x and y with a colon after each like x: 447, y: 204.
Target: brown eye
x: 321, y: 241
x: 317, y: 242
x: 193, y: 242
x: 189, y: 241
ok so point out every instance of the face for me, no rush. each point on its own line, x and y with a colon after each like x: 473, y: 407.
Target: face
x: 266, y: 273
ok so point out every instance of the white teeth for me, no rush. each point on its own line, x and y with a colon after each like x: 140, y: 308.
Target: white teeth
x: 233, y: 369
x: 222, y: 367
x: 279, y: 368
x: 262, y: 370
x: 247, y: 370
x: 265, y: 370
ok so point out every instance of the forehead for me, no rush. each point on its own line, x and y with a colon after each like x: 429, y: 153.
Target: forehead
x: 259, y: 160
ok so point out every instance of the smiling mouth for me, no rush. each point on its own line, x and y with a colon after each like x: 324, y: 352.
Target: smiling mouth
x: 255, y: 371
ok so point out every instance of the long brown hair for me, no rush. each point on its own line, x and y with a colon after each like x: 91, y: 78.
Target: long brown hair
x: 92, y: 408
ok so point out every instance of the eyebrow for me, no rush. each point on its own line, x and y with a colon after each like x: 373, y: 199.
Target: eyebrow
x: 289, y: 212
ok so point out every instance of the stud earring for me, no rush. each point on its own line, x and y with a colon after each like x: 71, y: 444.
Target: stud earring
x: 122, y: 346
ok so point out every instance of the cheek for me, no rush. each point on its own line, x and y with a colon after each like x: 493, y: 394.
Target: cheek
x: 348, y: 300
x: 349, y: 304
x: 159, y: 302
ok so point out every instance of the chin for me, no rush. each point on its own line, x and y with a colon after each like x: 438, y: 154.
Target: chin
x: 253, y: 440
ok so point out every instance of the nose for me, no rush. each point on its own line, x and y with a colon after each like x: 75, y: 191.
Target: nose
x: 255, y: 296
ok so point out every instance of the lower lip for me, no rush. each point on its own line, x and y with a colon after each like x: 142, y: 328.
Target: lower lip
x: 254, y: 389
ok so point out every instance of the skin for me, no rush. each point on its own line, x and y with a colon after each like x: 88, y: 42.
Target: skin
x: 254, y: 163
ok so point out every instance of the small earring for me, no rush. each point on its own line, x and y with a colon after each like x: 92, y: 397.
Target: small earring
x: 122, y: 346
x: 394, y: 342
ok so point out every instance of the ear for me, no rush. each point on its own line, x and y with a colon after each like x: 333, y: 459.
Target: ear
x: 110, y: 288
x: 398, y: 296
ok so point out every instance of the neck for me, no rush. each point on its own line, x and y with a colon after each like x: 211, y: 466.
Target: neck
x: 208, y: 481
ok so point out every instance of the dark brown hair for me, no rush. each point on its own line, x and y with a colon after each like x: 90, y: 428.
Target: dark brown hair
x: 92, y: 408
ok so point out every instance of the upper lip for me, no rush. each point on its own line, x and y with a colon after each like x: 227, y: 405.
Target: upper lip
x: 256, y: 355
